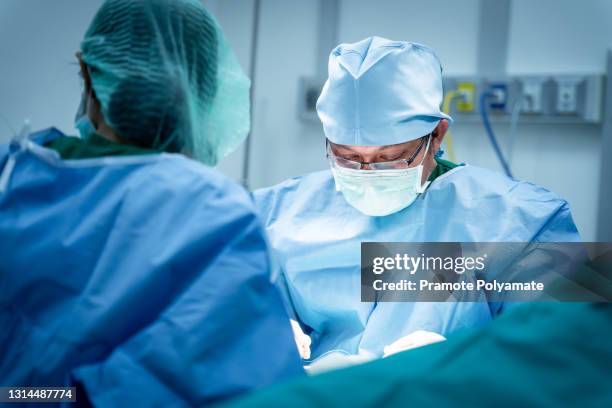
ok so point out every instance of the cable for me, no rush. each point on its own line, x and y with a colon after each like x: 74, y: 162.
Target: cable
x: 490, y: 134
x: 448, y: 138
x: 517, y: 108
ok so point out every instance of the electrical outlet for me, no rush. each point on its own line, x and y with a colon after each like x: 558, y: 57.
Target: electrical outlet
x: 467, y: 90
x: 567, y: 95
x: 533, y: 95
x: 499, y: 96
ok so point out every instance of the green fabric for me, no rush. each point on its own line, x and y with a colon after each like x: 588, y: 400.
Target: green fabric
x: 70, y: 147
x: 166, y: 77
x: 442, y: 166
x: 538, y: 354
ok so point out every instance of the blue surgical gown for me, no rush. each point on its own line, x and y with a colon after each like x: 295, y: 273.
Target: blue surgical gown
x: 317, y: 237
x: 145, y: 279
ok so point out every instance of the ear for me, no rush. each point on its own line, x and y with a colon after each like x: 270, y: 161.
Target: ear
x: 438, y: 134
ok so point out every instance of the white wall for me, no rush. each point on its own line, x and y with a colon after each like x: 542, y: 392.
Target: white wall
x: 38, y: 71
x: 561, y: 36
x: 38, y: 77
x: 449, y: 27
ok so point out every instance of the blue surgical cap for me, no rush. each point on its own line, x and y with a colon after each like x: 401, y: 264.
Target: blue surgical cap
x: 381, y: 92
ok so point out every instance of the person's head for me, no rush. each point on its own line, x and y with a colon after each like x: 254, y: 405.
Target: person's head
x: 381, y: 104
x: 381, y: 98
x: 159, y: 74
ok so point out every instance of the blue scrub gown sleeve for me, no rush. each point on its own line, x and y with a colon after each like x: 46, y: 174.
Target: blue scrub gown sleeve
x: 560, y: 227
x: 539, y: 262
x: 223, y: 332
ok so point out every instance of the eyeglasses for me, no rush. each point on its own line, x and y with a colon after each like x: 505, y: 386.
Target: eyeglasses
x: 388, y: 165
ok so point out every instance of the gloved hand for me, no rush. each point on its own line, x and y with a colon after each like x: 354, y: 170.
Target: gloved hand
x: 302, y: 340
x: 335, y: 360
x: 416, y: 339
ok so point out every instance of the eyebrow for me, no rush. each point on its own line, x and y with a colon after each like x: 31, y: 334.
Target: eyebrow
x: 382, y: 148
x: 402, y: 146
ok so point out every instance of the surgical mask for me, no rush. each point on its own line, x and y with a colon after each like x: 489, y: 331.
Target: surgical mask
x: 82, y: 122
x: 380, y: 192
x: 85, y: 127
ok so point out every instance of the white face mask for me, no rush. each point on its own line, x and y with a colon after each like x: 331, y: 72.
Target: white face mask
x: 380, y: 192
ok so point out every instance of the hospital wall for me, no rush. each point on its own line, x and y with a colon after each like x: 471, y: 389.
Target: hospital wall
x: 38, y: 69
x: 38, y: 77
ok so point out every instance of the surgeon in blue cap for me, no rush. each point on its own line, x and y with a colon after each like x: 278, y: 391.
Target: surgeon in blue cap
x: 380, y: 110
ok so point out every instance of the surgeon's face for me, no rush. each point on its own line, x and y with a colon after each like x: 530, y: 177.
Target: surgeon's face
x: 402, y: 151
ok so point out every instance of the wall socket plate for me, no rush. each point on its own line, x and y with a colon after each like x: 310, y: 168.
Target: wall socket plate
x: 576, y: 98
x: 566, y: 95
x: 535, y: 92
x: 468, y: 93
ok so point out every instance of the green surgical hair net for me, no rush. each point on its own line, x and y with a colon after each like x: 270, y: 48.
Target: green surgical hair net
x: 166, y: 77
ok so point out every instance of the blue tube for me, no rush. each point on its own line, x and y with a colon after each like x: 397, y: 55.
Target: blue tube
x: 492, y: 138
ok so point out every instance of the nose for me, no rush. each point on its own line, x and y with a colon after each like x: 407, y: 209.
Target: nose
x: 365, y: 166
